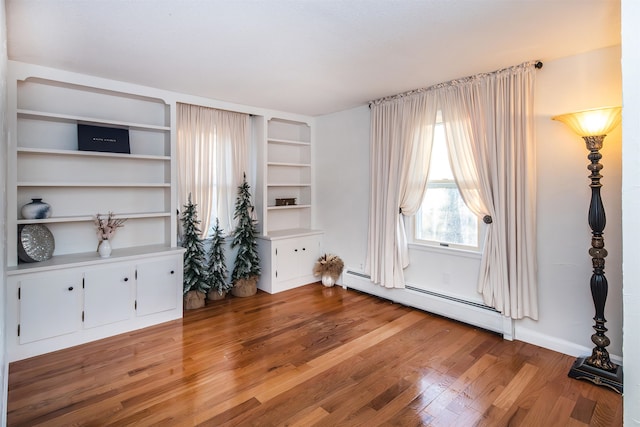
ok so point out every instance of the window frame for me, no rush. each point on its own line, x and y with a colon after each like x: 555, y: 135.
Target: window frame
x: 446, y: 183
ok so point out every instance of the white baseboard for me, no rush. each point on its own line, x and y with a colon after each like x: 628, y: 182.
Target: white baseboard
x: 466, y: 312
x: 556, y: 344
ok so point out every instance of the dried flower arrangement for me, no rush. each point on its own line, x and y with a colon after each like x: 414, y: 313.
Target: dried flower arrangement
x: 106, y: 227
x: 329, y: 267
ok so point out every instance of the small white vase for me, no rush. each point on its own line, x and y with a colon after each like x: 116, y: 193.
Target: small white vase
x: 327, y: 280
x: 104, y: 249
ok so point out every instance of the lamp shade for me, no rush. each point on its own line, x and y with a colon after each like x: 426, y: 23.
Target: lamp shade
x: 595, y: 122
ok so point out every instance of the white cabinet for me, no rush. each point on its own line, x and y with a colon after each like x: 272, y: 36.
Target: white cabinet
x: 287, y: 260
x: 51, y: 308
x: 156, y: 286
x: 108, y: 295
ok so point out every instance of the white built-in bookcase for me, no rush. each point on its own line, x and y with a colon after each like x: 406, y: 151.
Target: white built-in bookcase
x: 288, y: 175
x: 44, y: 162
x: 289, y: 246
x: 77, y: 296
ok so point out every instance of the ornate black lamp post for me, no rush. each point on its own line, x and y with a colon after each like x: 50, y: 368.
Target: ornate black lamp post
x: 593, y: 126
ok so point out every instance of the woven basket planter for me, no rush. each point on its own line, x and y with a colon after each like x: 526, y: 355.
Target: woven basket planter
x: 245, y: 287
x: 216, y: 296
x: 193, y: 300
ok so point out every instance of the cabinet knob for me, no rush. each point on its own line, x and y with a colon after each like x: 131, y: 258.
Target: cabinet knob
x: 304, y: 249
x: 70, y: 288
x: 295, y: 250
x: 126, y: 279
x: 173, y: 272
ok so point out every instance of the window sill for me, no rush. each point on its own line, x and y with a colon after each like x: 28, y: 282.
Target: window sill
x: 443, y: 250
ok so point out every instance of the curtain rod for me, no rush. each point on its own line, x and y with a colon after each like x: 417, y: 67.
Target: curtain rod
x: 537, y: 64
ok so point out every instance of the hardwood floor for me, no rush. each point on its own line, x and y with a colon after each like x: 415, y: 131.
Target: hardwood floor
x: 310, y: 356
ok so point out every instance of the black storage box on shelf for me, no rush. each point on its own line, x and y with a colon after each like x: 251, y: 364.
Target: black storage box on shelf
x: 286, y: 202
x: 103, y: 139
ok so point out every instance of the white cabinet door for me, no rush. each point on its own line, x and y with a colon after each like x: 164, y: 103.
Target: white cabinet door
x: 308, y: 255
x: 287, y: 259
x: 159, y: 285
x: 50, y: 305
x: 108, y: 295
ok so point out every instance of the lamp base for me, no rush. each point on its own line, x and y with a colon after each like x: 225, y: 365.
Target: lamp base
x: 583, y: 371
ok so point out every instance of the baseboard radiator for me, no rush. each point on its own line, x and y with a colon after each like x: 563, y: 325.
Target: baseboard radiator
x: 470, y: 312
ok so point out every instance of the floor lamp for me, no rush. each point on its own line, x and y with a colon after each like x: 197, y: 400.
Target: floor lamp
x: 593, y: 126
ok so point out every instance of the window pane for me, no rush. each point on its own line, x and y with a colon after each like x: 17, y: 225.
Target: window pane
x: 445, y: 218
x: 439, y: 168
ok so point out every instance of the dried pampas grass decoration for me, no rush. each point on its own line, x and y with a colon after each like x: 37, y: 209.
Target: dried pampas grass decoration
x: 329, y: 267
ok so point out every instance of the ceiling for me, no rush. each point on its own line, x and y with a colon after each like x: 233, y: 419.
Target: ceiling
x: 309, y: 57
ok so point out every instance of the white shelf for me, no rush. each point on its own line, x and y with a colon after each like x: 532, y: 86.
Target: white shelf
x: 276, y: 208
x: 288, y: 142
x: 94, y: 184
x: 91, y: 258
x: 71, y: 153
x: 84, y: 218
x: 291, y: 184
x: 295, y: 165
x: 82, y: 119
x: 290, y: 232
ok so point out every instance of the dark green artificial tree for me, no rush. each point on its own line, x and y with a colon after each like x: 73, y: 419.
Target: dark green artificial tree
x: 217, y: 266
x: 247, y: 262
x: 195, y: 267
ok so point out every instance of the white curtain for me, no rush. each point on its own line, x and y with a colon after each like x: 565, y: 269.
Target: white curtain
x: 490, y: 134
x: 401, y: 139
x: 213, y: 154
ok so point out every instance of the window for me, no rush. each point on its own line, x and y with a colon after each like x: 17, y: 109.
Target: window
x: 212, y: 151
x: 444, y: 219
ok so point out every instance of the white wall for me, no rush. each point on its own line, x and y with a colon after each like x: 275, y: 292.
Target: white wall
x: 342, y: 183
x: 631, y: 208
x: 570, y: 84
x: 566, y: 309
x: 3, y: 208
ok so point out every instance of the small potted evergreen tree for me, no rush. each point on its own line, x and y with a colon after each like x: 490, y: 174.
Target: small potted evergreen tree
x: 195, y: 282
x: 217, y: 266
x: 246, y: 269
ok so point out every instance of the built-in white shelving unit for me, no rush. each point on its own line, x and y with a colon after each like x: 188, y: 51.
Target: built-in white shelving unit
x: 45, y: 161
x: 288, y: 175
x: 45, y: 108
x: 289, y: 245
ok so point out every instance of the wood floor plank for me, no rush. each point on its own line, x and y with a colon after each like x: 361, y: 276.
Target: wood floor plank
x: 583, y: 410
x: 310, y: 356
x: 449, y: 396
x: 516, y: 386
x: 538, y: 413
x: 560, y: 411
x: 308, y: 419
